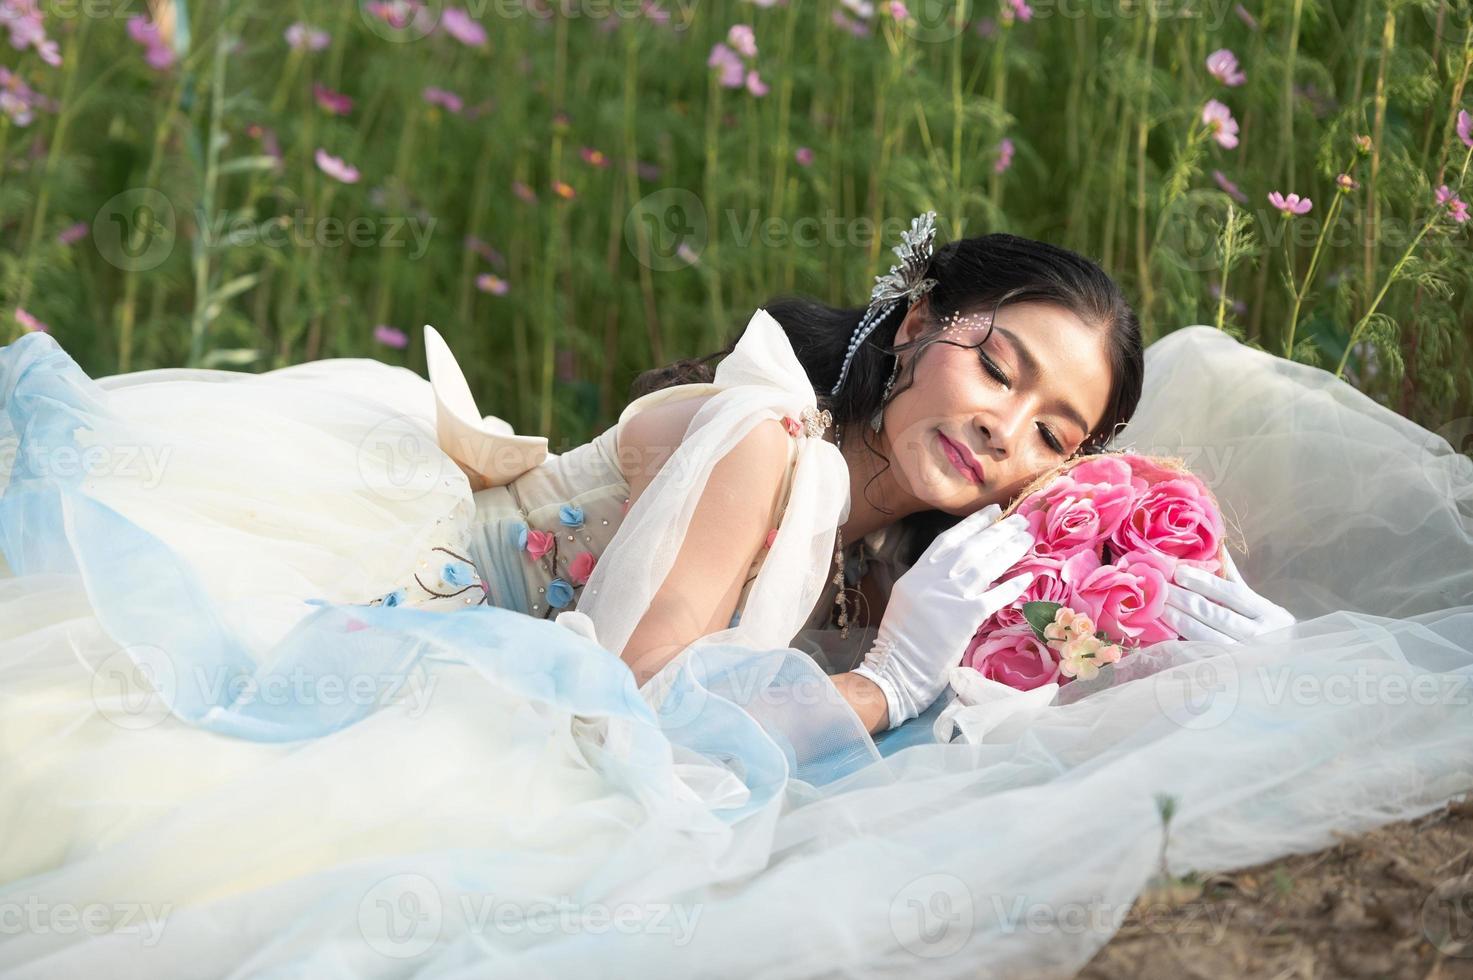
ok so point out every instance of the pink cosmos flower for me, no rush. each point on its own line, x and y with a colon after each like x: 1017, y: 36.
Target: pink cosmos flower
x: 495, y: 285
x: 594, y: 158
x: 1245, y: 17
x: 1465, y: 127
x: 461, y: 26
x: 539, y: 543
x: 157, y: 51
x: 334, y: 102
x: 1291, y: 204
x: 755, y: 85
x: 1127, y: 598
x: 1345, y: 182
x: 390, y: 336
x: 28, y: 321
x: 1013, y: 656
x: 444, y: 98
x: 1004, y: 156
x: 1223, y: 65
x: 523, y: 192
x: 335, y: 168
x: 897, y: 10
x: 72, y: 234
x: 305, y: 37
x: 742, y: 40
x: 1457, y: 209
x: 1219, y: 120
x: 581, y: 567
x: 1230, y: 187
x: 730, y: 65
x: 804, y: 156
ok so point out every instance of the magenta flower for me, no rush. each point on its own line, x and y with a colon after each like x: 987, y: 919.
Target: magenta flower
x: 1221, y: 124
x: 460, y: 25
x: 1004, y: 156
x: 897, y: 10
x: 1230, y: 188
x: 1457, y: 209
x: 1289, y: 205
x: 1223, y: 65
x: 17, y: 99
x: 804, y: 156
x: 27, y: 30
x: 592, y: 157
x: 335, y: 168
x: 390, y: 336
x: 443, y: 97
x: 30, y: 322
x: 524, y: 192
x: 1245, y: 17
x: 72, y: 234
x: 484, y: 250
x: 755, y: 85
x: 334, y: 102
x: 1016, y: 9
x: 305, y: 37
x: 732, y: 70
x: 157, y: 52
x: 495, y: 285
x: 1465, y: 127
x: 742, y: 40
x: 1345, y: 182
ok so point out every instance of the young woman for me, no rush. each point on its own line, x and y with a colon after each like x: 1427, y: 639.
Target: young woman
x: 239, y: 734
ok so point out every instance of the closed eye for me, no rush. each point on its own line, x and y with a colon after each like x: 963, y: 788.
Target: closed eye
x: 997, y: 375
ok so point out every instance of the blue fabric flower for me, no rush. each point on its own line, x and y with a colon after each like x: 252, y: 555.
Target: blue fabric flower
x: 395, y: 598
x: 457, y: 573
x: 571, y: 515
x: 559, y: 593
x: 517, y: 531
x: 736, y: 617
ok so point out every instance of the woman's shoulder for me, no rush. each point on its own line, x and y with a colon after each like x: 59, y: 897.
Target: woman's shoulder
x: 651, y: 433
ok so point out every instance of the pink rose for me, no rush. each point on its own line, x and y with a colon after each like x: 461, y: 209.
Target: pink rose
x: 1012, y: 656
x: 1081, y: 507
x: 1125, y: 599
x: 1176, y: 518
x: 581, y: 567
x: 539, y: 543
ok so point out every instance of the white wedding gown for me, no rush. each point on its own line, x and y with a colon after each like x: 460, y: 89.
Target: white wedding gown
x: 201, y: 775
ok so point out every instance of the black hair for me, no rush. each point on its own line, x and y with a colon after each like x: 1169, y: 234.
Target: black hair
x: 973, y: 275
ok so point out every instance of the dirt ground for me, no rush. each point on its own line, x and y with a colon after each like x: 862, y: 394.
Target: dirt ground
x: 1395, y: 903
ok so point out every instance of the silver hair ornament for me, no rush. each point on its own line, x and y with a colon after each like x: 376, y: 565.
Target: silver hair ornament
x: 903, y: 281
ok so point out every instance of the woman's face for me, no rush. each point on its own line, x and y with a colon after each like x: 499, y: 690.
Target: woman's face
x: 1052, y: 391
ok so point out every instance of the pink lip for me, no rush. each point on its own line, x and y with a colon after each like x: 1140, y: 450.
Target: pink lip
x: 962, y: 458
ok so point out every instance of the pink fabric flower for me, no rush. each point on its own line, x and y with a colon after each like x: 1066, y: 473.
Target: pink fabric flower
x: 1175, y: 517
x: 1126, y: 599
x: 1220, y: 122
x: 1012, y: 656
x: 539, y: 543
x: 581, y: 567
x: 771, y: 537
x: 335, y: 168
x: 792, y: 425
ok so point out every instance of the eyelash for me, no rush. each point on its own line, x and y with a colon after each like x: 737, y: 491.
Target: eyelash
x: 1005, y: 381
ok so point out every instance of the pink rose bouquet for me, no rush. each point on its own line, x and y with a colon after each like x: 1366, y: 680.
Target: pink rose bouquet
x: 1109, y: 531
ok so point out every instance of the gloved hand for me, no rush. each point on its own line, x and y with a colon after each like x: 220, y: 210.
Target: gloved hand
x: 1223, y: 610
x: 937, y: 605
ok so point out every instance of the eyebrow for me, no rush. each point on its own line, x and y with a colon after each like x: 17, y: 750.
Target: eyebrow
x: 1030, y: 364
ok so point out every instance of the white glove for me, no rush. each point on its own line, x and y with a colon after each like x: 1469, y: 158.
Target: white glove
x: 937, y: 605
x: 1222, y: 610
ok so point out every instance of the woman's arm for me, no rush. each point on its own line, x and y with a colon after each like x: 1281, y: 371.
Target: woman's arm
x: 728, y: 526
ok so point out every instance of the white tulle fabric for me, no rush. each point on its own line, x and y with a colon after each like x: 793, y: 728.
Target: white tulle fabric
x: 402, y: 843
x: 760, y: 379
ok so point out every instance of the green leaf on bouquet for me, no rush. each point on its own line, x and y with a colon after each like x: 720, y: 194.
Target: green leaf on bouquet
x: 1039, y: 614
